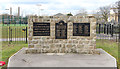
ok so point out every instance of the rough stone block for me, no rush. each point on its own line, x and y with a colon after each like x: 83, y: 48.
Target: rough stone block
x: 75, y: 41
x: 29, y: 38
x: 35, y: 42
x: 31, y: 46
x: 72, y: 44
x: 69, y: 46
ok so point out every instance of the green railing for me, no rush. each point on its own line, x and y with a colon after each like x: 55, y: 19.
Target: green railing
x: 14, y: 21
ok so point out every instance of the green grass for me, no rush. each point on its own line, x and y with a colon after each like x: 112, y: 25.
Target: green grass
x: 9, y: 49
x: 16, y: 31
x: 109, y: 46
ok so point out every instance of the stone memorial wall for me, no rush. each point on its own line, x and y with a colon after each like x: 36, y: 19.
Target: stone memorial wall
x: 61, y: 35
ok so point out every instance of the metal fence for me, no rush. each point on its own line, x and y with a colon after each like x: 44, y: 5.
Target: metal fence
x: 108, y: 31
x: 9, y: 20
x: 16, y: 34
x: 14, y: 29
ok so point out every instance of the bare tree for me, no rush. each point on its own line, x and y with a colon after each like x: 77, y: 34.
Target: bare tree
x: 98, y: 17
x: 82, y: 12
x: 104, y: 12
x: 114, y: 7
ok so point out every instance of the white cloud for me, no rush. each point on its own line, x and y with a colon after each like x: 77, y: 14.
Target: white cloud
x: 52, y: 6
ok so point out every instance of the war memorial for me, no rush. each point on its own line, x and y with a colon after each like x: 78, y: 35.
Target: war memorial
x: 62, y: 43
x: 62, y: 35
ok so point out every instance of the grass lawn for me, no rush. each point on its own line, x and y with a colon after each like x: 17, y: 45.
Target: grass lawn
x: 9, y: 49
x: 109, y: 46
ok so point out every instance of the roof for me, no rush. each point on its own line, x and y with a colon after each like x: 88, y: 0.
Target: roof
x: 79, y: 14
x: 59, y: 14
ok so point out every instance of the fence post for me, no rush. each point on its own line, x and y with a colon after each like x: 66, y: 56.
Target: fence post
x: 26, y: 34
x: 3, y: 19
x: 112, y: 31
x: 15, y: 34
x: 26, y: 20
x: 11, y: 35
x: 9, y: 20
x: 107, y: 28
x: 20, y: 21
x: 99, y: 28
x: 104, y: 28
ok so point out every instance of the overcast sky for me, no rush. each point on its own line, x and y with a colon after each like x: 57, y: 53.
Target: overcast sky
x: 51, y: 7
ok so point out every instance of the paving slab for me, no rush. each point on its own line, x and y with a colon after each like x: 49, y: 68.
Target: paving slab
x: 20, y: 59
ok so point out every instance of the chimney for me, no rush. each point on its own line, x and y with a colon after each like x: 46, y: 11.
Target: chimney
x: 18, y: 11
x: 10, y: 10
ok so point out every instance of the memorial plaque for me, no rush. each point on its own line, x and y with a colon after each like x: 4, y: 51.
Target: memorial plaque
x: 81, y: 29
x: 41, y: 29
x: 61, y: 30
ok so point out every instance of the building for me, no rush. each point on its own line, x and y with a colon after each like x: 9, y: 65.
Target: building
x: 85, y: 15
x: 113, y: 15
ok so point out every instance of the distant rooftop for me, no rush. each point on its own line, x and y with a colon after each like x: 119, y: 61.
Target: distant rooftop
x: 59, y: 14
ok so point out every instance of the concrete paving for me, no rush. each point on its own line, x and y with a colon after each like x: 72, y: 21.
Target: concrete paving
x: 68, y: 60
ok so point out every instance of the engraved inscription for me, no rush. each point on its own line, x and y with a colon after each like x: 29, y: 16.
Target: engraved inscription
x: 81, y: 29
x: 61, y: 30
x: 41, y: 29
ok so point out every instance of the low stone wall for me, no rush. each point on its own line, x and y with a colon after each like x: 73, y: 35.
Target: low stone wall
x: 73, y: 44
